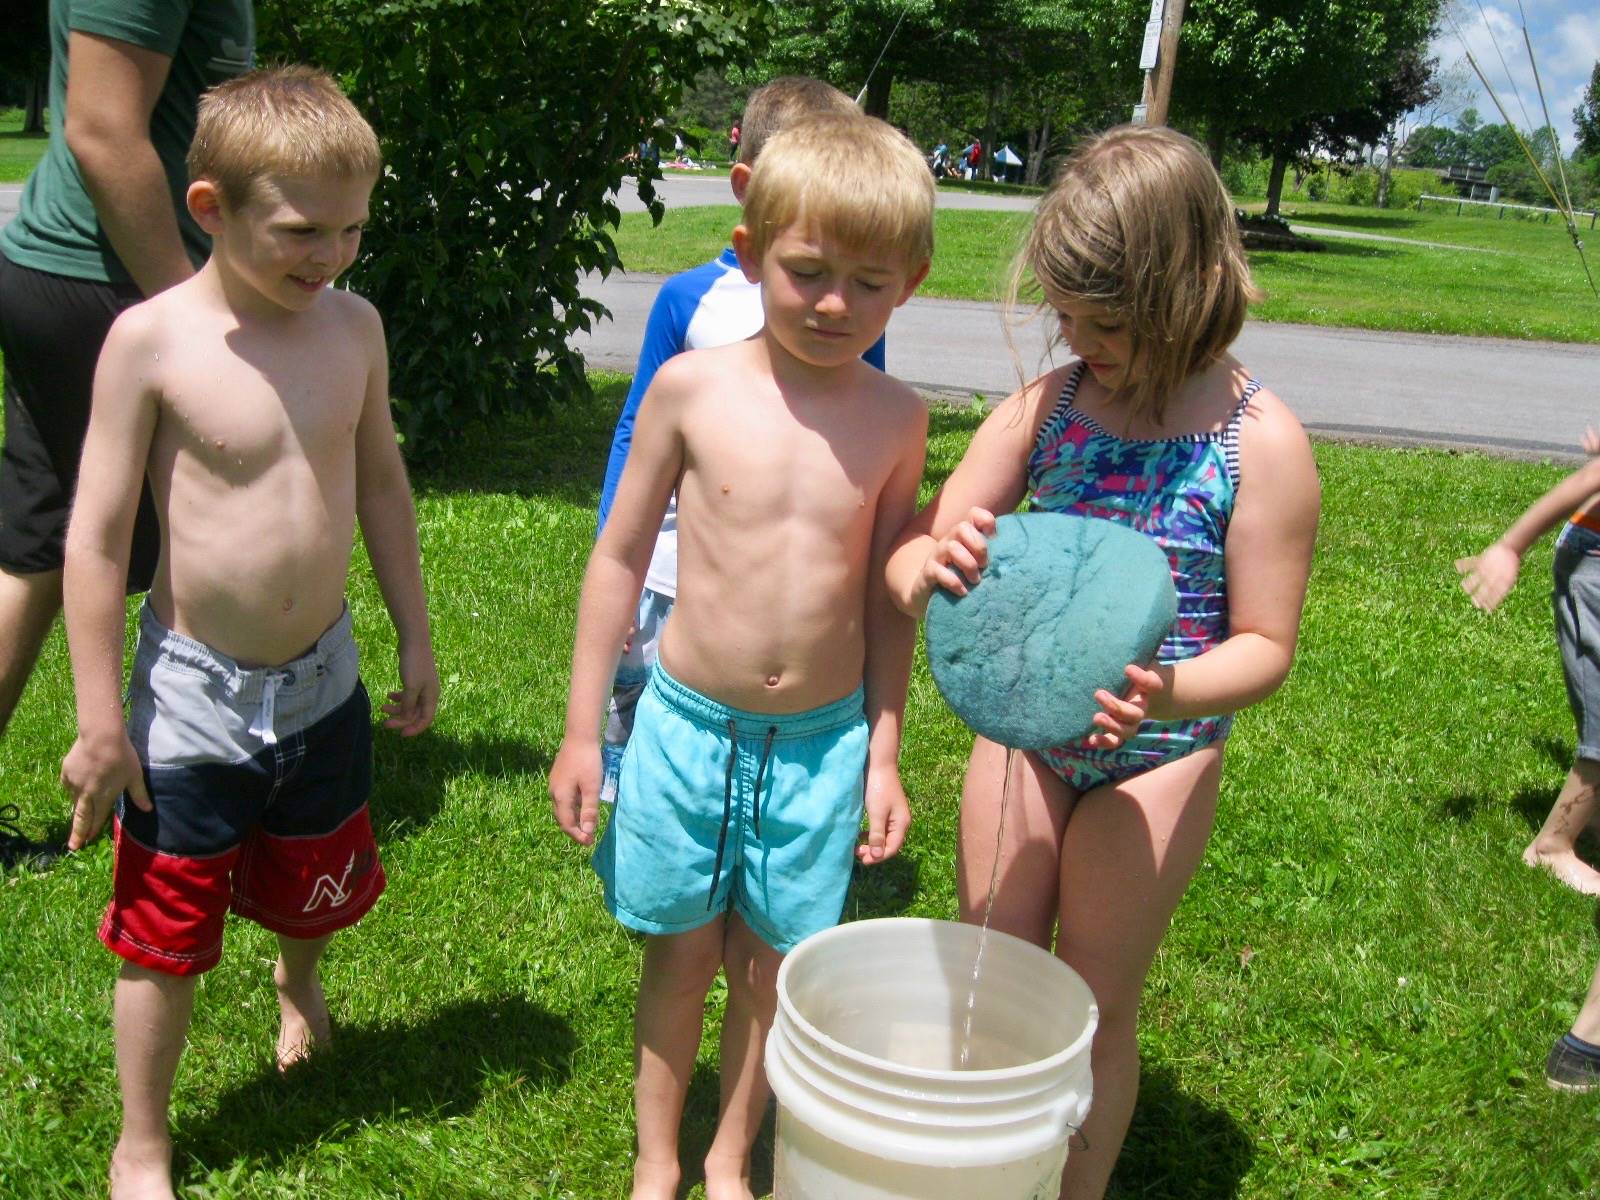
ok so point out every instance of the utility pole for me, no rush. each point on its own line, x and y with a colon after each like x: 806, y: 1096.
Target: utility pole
x: 1159, y: 58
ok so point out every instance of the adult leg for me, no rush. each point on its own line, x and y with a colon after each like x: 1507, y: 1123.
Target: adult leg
x: 303, y: 1010
x: 151, y: 1016
x: 28, y: 606
x: 677, y: 974
x: 1553, y: 846
x: 752, y: 970
x: 1036, y: 810
x: 1129, y: 852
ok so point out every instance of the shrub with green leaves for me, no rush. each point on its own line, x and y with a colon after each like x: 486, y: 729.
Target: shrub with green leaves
x: 505, y: 128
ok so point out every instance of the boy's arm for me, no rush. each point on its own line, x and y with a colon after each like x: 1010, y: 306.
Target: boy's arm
x: 664, y: 332
x: 891, y: 637
x: 1489, y: 575
x: 102, y: 763
x: 611, y: 586
x: 389, y: 527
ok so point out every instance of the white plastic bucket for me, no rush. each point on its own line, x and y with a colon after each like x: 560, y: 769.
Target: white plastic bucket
x: 864, y: 1060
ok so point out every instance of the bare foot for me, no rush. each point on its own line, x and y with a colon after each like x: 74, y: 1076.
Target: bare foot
x: 728, y: 1179
x: 305, y: 1022
x: 1566, y: 866
x: 141, y: 1174
x: 654, y: 1180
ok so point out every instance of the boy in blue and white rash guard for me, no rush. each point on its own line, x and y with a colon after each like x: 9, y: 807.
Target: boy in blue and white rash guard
x: 709, y: 305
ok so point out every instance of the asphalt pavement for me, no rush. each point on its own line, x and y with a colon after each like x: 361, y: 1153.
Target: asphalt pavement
x: 1510, y: 397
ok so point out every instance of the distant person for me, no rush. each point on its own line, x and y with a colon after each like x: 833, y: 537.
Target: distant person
x: 772, y: 718
x: 1573, y: 1064
x: 709, y: 305
x: 733, y: 143
x: 939, y: 160
x: 972, y: 158
x: 256, y: 398
x: 1158, y: 427
x: 1492, y: 573
x: 101, y: 225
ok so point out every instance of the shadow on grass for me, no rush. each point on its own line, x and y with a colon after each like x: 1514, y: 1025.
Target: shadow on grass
x: 1531, y: 803
x: 884, y: 890
x: 1178, y: 1147
x: 438, y: 1068
x: 560, y: 453
x: 410, y: 775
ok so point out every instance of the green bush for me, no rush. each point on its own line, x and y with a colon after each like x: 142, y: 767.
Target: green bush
x: 1317, y: 186
x: 1405, y: 186
x: 1246, y: 178
x: 1358, y: 187
x: 505, y: 129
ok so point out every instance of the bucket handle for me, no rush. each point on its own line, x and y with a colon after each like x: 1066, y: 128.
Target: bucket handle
x: 1070, y: 1114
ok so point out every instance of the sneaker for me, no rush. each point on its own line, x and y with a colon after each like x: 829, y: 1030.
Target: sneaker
x: 19, y: 851
x: 1569, y: 1069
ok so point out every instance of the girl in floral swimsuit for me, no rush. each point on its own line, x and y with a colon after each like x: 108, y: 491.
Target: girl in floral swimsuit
x: 1156, y: 426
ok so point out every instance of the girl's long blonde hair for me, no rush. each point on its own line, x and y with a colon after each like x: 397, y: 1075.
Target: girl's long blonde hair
x: 1137, y: 222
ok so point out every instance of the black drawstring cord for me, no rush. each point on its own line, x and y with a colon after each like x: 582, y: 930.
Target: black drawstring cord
x: 766, y: 755
x: 727, y: 810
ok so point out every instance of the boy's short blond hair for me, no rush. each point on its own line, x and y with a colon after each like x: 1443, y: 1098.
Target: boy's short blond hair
x: 777, y: 105
x: 290, y: 121
x: 1137, y: 222
x: 857, y: 178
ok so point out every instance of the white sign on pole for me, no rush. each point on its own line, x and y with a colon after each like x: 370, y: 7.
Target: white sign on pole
x: 1141, y: 113
x: 1152, y: 42
x: 1157, y: 9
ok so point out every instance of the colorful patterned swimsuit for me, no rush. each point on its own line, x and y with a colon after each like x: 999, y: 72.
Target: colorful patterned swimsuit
x: 1178, y: 492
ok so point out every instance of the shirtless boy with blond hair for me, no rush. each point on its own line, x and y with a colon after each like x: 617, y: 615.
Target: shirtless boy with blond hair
x: 773, y: 714
x: 256, y: 397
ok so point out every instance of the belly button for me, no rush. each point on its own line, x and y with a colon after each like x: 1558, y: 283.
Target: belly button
x: 288, y: 604
x: 772, y: 681
x: 726, y: 489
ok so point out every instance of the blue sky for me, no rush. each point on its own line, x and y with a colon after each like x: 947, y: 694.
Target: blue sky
x: 1566, y: 44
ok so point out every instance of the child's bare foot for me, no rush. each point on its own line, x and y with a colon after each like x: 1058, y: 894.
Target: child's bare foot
x: 141, y: 1173
x: 304, y: 1015
x: 1566, y: 866
x: 728, y: 1178
x: 654, y: 1180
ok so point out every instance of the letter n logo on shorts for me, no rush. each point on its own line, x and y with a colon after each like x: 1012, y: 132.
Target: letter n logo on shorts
x: 329, y: 891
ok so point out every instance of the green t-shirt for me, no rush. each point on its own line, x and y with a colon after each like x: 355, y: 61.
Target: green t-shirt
x: 56, y: 229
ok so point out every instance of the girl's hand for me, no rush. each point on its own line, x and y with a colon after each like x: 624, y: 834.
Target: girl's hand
x: 1121, y: 716
x: 1490, y: 575
x: 1591, y: 441
x: 957, y: 560
x: 95, y: 772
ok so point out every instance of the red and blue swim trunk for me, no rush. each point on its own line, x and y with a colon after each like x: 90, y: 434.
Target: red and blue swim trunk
x: 258, y: 780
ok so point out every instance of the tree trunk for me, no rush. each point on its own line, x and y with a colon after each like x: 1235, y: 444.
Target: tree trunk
x: 1388, y: 166
x: 1038, y: 142
x: 1216, y: 140
x: 1280, y: 164
x: 33, y: 106
x: 986, y: 168
x: 876, y: 103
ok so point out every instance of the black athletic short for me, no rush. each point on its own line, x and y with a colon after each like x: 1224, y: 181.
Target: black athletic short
x: 51, y: 331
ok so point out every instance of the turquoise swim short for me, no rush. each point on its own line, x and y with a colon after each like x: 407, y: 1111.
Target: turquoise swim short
x: 720, y: 809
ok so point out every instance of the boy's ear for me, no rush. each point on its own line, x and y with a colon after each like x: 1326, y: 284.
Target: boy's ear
x: 205, y: 205
x: 739, y: 180
x: 749, y: 263
x: 913, y: 282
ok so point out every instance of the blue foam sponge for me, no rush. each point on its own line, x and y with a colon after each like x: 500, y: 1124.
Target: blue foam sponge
x: 1064, y: 604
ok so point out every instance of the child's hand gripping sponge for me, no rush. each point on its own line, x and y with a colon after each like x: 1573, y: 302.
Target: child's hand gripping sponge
x: 1063, y: 606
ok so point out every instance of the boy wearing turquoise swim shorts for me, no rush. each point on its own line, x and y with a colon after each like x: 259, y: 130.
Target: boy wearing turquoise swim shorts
x: 772, y: 718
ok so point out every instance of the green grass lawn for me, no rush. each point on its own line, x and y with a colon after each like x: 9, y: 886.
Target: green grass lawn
x: 18, y: 151
x: 1532, y: 287
x: 1355, y: 999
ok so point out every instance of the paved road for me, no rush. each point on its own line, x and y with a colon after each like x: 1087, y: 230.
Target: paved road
x: 1524, y: 398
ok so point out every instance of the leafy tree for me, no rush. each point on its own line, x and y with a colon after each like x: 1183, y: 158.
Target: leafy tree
x: 1586, y: 117
x: 1432, y: 146
x: 505, y: 131
x: 1284, y: 74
